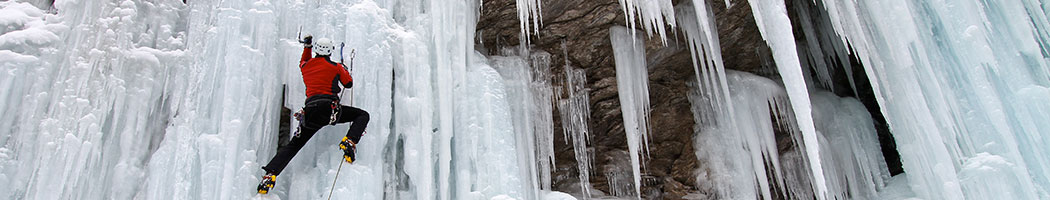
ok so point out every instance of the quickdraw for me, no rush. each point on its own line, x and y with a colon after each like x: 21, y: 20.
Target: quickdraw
x: 298, y: 117
x: 335, y: 112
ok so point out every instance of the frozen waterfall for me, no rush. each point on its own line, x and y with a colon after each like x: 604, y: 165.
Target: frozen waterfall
x: 169, y: 99
x: 964, y: 87
x: 182, y: 105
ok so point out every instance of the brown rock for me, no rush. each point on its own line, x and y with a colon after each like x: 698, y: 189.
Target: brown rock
x: 583, y: 27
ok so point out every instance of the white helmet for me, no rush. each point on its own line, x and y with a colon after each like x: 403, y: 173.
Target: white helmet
x: 323, y: 47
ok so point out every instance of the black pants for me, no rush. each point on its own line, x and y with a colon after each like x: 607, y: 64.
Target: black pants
x: 318, y: 115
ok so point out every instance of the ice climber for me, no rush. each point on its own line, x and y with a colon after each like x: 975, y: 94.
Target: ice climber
x: 322, y: 77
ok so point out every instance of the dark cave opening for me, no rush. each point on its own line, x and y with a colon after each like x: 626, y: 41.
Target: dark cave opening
x: 819, y: 25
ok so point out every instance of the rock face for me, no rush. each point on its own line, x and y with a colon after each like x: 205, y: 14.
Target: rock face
x: 582, y: 27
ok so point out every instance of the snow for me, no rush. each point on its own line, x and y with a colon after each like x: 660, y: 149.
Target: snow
x: 18, y: 13
x: 555, y: 195
x: 10, y: 58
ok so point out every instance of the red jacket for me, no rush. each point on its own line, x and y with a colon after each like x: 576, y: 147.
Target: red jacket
x: 322, y: 76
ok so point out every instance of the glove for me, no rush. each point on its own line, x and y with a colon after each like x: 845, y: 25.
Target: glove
x: 308, y: 41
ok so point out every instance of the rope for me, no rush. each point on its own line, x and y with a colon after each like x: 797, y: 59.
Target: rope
x: 341, y: 161
x: 336, y: 179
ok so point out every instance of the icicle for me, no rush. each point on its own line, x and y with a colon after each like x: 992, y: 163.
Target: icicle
x: 741, y: 155
x: 541, y: 116
x: 773, y: 24
x: 697, y: 21
x: 962, y: 112
x: 653, y: 14
x: 453, y: 39
x: 575, y: 112
x: 632, y: 80
x: 822, y: 50
x: 528, y: 83
x: 529, y: 11
x: 855, y: 166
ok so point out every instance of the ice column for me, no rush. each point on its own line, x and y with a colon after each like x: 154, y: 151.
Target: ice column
x: 452, y: 34
x: 772, y: 19
x: 632, y: 79
x: 414, y: 106
x: 528, y: 83
x: 574, y: 109
x: 541, y: 116
x: 486, y: 161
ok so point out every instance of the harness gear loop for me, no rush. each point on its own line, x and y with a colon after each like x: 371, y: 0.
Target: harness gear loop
x: 335, y: 112
x: 298, y: 117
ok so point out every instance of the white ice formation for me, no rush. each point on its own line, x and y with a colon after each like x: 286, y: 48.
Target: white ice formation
x: 574, y: 109
x: 964, y: 87
x: 177, y: 101
x: 654, y: 15
x: 632, y: 83
x: 130, y: 99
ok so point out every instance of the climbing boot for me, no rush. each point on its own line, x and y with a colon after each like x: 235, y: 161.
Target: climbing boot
x: 349, y: 150
x: 267, y: 183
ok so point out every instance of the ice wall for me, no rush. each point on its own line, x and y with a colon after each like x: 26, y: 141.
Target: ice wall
x: 311, y: 174
x: 963, y: 86
x: 84, y: 96
x: 176, y: 101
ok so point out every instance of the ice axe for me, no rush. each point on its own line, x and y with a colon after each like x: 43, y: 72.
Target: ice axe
x: 299, y: 36
x: 353, y: 52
